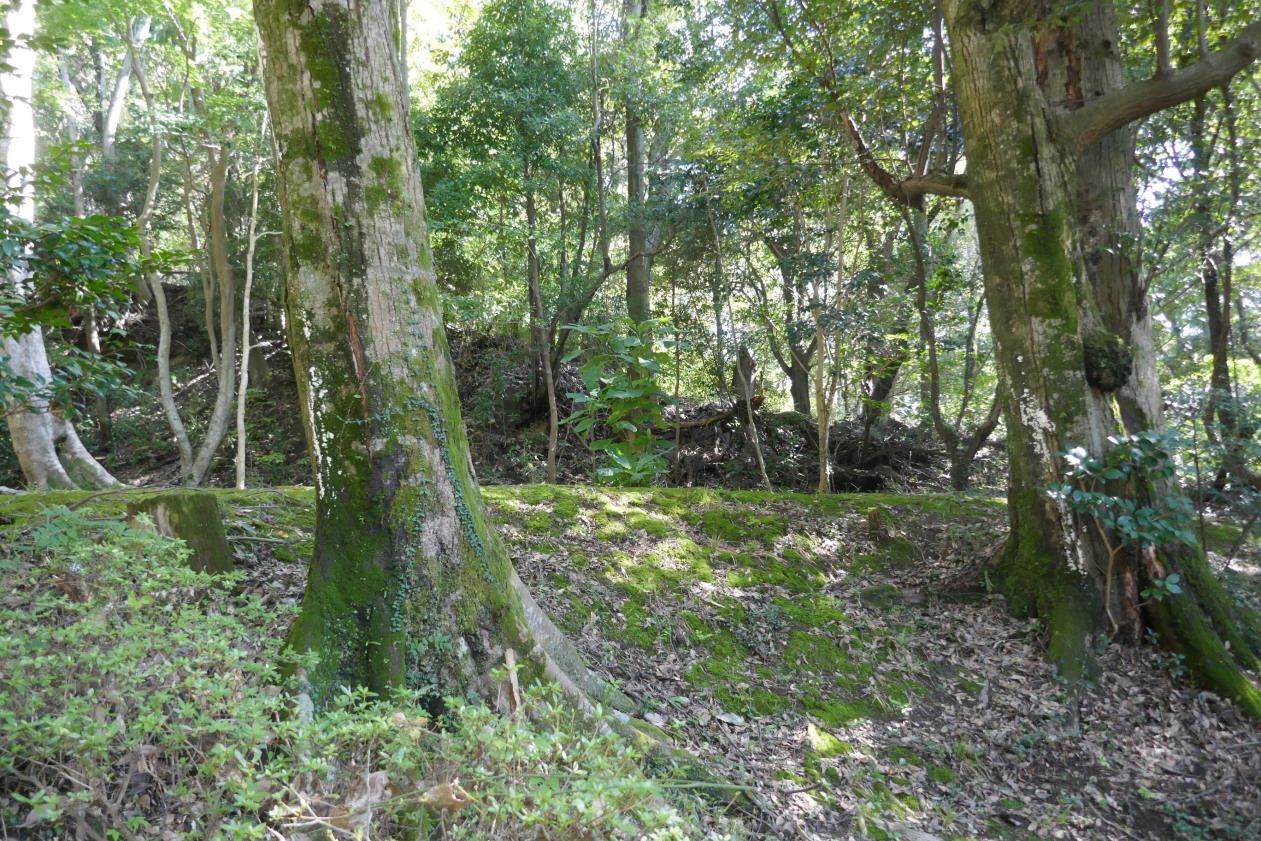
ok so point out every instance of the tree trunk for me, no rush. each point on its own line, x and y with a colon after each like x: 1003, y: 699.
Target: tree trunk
x: 799, y: 381
x: 797, y: 363
x: 638, y: 275
x: 542, y: 344
x: 1023, y: 168
x: 1021, y: 186
x: 203, y: 269
x: 91, y: 328
x: 1109, y: 226
x: 961, y: 447
x: 720, y: 337
x: 248, y: 356
x: 166, y: 392
x: 34, y: 427
x: 409, y: 587
x: 823, y: 408
x: 137, y: 34
x: 225, y: 288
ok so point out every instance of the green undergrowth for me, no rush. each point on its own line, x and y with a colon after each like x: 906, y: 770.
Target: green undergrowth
x: 781, y: 613
x: 137, y: 699
x: 757, y: 590
x: 772, y: 606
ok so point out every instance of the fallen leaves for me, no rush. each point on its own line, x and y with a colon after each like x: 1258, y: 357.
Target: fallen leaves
x: 984, y: 745
x: 445, y: 797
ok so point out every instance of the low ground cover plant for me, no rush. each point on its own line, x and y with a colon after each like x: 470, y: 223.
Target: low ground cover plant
x: 138, y: 700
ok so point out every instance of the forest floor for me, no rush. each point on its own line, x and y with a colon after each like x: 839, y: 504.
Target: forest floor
x: 813, y: 648
x: 817, y: 650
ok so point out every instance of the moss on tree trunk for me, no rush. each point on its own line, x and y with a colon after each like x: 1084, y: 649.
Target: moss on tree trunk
x: 409, y: 589
x: 194, y: 518
x: 1023, y: 173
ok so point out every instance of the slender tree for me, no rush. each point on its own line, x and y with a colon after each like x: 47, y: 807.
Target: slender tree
x: 639, y: 271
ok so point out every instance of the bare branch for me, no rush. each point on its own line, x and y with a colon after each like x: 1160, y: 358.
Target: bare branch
x: 935, y: 184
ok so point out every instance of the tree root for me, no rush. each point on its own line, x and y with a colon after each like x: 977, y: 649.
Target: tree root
x: 1198, y: 624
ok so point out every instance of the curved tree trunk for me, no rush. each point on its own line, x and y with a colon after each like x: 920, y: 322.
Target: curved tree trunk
x: 34, y: 428
x: 961, y: 447
x: 409, y: 587
x: 166, y: 391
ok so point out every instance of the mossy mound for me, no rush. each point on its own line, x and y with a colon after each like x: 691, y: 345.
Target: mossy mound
x: 755, y: 591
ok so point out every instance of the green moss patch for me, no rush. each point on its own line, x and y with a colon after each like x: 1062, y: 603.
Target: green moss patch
x: 824, y: 744
x: 728, y: 526
x: 640, y: 628
x: 812, y: 652
x: 795, y: 575
x: 837, y: 713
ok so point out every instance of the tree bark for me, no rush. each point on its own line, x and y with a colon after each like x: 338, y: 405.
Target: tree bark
x: 35, y: 428
x: 409, y: 587
x: 1109, y: 228
x: 1023, y: 178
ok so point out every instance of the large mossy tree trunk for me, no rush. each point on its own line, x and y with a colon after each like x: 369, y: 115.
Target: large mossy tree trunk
x: 1021, y: 186
x: 1023, y: 160
x: 409, y: 587
x: 1085, y: 61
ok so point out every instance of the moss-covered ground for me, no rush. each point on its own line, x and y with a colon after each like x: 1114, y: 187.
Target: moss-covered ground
x: 748, y: 589
x: 813, y: 648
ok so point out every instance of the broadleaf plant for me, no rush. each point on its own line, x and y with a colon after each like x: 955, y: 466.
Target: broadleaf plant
x: 623, y: 397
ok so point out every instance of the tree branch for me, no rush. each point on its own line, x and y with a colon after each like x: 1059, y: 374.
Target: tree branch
x: 935, y: 184
x: 1104, y: 115
x: 909, y: 192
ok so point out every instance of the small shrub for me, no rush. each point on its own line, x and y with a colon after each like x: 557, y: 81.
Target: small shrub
x: 1133, y: 458
x: 625, y: 398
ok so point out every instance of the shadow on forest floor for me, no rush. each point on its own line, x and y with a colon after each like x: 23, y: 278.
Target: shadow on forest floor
x: 815, y: 649
x: 812, y: 647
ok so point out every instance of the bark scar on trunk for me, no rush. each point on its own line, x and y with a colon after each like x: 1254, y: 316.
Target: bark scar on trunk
x: 361, y: 371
